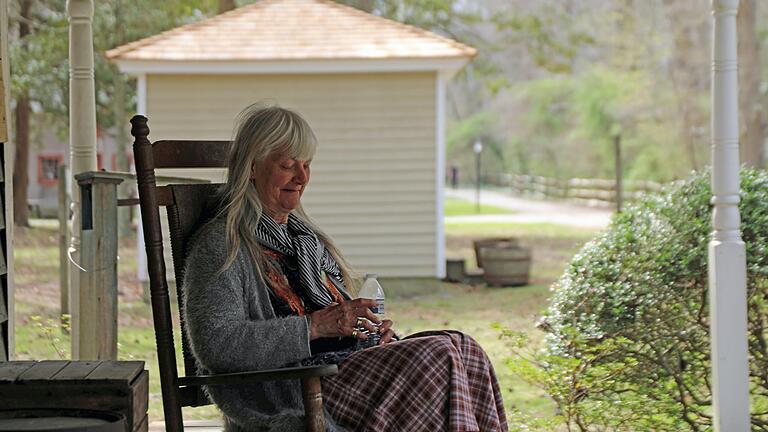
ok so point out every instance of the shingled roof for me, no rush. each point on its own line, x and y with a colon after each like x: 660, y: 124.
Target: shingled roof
x: 270, y: 30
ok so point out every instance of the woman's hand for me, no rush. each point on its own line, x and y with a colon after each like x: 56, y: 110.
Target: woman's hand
x: 344, y: 319
x: 386, y: 332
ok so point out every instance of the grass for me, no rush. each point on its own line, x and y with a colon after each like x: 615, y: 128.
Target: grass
x: 458, y: 207
x: 533, y: 230
x: 414, y: 304
x: 473, y: 310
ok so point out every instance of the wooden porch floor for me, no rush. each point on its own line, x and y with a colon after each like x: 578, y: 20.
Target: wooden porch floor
x: 192, y: 425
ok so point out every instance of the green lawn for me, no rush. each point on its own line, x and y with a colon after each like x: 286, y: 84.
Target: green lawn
x: 473, y: 310
x: 414, y: 304
x: 457, y: 207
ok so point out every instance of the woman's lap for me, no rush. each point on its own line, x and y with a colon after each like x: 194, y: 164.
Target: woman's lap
x: 431, y: 381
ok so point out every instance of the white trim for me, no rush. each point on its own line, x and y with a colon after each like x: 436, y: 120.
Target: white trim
x: 141, y: 94
x: 222, y: 67
x: 440, y: 83
x: 141, y: 257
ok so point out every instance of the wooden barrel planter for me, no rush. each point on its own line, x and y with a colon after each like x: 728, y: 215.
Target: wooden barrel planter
x: 504, y: 261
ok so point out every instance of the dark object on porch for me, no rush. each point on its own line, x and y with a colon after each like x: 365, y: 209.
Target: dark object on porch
x: 117, y: 387
x: 188, y: 206
x: 454, y: 269
x: 456, y: 272
x: 504, y: 261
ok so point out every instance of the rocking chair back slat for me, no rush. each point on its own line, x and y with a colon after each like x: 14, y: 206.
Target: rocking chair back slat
x: 190, y: 154
x: 192, y: 206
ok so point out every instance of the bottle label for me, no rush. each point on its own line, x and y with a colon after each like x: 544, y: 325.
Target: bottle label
x: 379, y: 309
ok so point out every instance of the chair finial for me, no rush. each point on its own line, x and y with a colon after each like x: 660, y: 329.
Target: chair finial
x: 139, y: 127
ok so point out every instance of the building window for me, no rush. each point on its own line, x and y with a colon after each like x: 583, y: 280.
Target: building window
x: 48, y: 168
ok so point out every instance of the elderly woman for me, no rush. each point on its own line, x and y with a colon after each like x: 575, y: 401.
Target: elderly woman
x: 266, y: 288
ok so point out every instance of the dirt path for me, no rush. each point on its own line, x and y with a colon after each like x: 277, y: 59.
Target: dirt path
x: 531, y: 211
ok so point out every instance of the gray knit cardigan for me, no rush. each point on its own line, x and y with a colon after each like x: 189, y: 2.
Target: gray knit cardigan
x: 232, y: 328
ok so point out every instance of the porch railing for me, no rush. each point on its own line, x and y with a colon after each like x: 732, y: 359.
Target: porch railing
x: 97, y: 267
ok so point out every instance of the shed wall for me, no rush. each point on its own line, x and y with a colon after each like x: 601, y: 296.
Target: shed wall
x: 373, y: 185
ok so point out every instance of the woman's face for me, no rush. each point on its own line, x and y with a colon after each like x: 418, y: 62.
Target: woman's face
x: 281, y: 183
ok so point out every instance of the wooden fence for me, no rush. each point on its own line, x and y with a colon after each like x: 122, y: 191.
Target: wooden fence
x: 593, y: 191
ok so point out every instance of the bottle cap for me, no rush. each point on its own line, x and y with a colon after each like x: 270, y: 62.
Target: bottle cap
x: 371, y: 275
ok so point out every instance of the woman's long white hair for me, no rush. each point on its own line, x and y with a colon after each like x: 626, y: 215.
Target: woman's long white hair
x: 260, y: 131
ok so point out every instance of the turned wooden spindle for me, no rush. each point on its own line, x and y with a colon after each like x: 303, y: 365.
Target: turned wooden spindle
x: 158, y: 286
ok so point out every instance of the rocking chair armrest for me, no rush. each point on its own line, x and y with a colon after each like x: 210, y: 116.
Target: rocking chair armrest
x: 251, y: 377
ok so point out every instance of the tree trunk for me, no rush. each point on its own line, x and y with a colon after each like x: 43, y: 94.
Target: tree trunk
x: 20, y: 164
x: 752, y: 128
x: 21, y: 160
x: 226, y: 5
x: 366, y: 5
x: 688, y: 75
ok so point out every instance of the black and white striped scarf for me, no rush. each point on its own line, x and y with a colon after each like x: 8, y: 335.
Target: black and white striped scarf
x: 297, y: 240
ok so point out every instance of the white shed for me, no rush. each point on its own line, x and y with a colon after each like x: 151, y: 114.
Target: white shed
x: 373, y: 89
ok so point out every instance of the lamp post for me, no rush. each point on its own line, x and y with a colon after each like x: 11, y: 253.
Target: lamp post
x: 617, y: 172
x: 477, y: 147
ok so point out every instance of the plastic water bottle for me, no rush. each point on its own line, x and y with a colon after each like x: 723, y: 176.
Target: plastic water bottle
x: 371, y: 289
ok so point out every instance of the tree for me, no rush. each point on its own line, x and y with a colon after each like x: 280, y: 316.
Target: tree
x: 751, y: 97
x: 551, y: 34
x: 117, y: 22
x: 364, y: 5
x: 38, y: 47
x: 690, y: 30
x: 226, y: 5
x: 40, y: 73
x: 22, y: 114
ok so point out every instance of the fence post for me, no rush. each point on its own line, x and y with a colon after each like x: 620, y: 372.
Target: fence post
x: 63, y: 240
x: 617, y: 153
x: 97, y: 336
x: 563, y: 188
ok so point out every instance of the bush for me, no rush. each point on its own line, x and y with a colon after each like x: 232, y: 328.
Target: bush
x: 627, y: 344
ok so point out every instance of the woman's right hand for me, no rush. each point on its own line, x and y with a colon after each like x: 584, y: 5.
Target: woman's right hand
x: 344, y: 319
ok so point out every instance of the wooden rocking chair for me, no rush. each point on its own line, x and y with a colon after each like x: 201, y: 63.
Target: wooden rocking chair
x: 188, y: 206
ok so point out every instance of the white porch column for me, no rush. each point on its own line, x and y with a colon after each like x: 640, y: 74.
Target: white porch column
x: 82, y: 136
x: 441, y: 81
x: 727, y: 256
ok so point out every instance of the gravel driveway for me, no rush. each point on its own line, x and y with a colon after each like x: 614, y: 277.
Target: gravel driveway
x: 530, y: 211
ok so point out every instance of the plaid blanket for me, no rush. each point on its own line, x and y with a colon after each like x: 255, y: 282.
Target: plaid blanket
x: 431, y: 381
